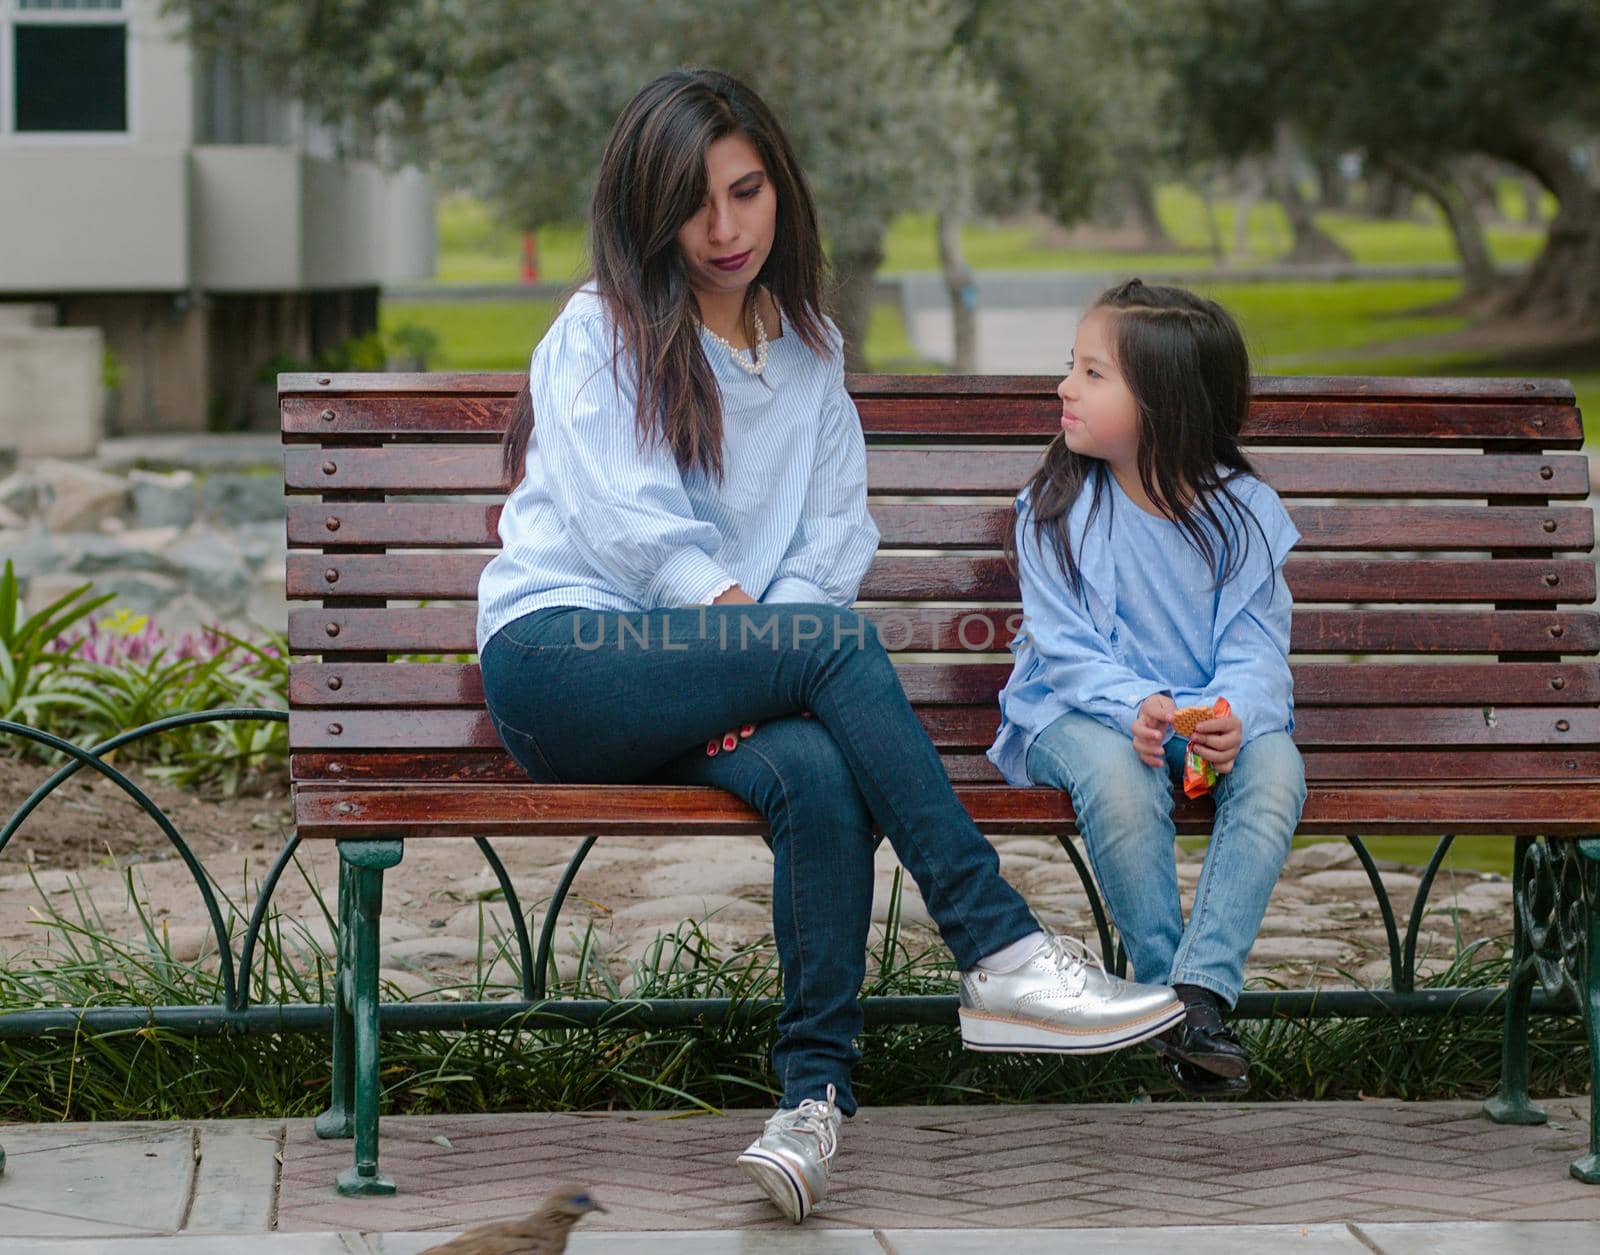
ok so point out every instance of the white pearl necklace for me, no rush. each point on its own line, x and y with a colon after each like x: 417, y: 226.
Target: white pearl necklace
x: 757, y: 361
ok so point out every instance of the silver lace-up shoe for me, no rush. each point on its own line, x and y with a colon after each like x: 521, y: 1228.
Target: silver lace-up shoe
x: 1062, y: 1000
x: 789, y: 1161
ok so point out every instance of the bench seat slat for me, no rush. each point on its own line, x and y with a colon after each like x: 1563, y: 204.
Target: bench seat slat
x: 897, y: 577
x: 578, y: 810
x: 1427, y: 727
x: 972, y: 525
x: 444, y: 468
x: 452, y: 630
x: 1352, y: 766
x: 408, y: 685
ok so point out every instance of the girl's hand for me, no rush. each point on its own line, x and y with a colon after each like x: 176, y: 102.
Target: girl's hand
x: 729, y: 741
x: 1217, y: 741
x: 1150, y: 728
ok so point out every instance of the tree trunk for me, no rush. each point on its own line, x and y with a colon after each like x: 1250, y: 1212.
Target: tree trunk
x: 1333, y: 189
x: 1311, y: 244
x: 856, y: 275
x: 1142, y: 200
x: 1477, y: 267
x: 1205, y: 188
x: 1387, y: 197
x: 962, y: 286
x: 1562, y: 286
x: 1532, y: 200
x: 1475, y: 177
x: 1253, y: 186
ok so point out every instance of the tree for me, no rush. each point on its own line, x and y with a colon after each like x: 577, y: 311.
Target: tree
x: 513, y: 98
x: 1510, y: 80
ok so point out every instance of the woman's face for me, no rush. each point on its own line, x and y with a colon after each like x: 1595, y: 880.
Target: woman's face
x: 725, y: 243
x: 1099, y: 417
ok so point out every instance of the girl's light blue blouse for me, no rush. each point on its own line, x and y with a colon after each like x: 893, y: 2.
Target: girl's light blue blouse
x: 1146, y: 620
x: 600, y: 522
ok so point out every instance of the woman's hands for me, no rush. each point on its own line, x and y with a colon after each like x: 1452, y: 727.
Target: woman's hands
x: 1150, y: 728
x: 1217, y: 741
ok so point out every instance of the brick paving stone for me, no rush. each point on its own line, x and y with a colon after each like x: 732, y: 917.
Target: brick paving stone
x: 953, y: 1167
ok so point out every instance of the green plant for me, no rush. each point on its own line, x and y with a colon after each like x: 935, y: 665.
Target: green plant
x: 28, y: 655
x: 112, y: 371
x: 282, y: 363
x: 415, y: 342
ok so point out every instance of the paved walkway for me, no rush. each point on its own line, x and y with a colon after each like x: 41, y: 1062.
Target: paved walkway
x: 1382, y: 1175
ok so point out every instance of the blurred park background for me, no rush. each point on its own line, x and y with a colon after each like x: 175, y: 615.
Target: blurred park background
x: 197, y: 194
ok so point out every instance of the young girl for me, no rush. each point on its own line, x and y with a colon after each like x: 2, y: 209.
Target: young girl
x: 1151, y: 564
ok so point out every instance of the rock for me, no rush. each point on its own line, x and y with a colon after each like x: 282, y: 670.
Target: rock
x: 1323, y: 855
x: 11, y: 521
x: 308, y: 933
x: 406, y: 984
x: 425, y: 952
x: 261, y: 543
x: 392, y: 929
x: 1354, y: 882
x: 214, y: 571
x: 1303, y: 918
x: 187, y: 942
x: 19, y: 493
x: 233, y: 498
x: 94, y: 555
x: 162, y: 500
x: 137, y: 593
x: 912, y: 908
x: 50, y: 880
x: 77, y: 498
x: 1285, y: 950
x: 36, y: 554
x: 8, y: 460
x: 675, y: 908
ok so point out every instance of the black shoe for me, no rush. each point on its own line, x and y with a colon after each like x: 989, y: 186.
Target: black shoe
x: 1203, y: 1041
x: 1201, y: 1084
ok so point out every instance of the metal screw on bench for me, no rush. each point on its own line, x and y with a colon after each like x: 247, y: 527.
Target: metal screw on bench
x: 333, y: 523
x: 1558, y: 631
x: 1549, y: 525
x: 1546, y: 472
x: 335, y: 683
x: 327, y: 416
x: 329, y: 468
x: 324, y: 380
x: 331, y: 575
x: 1552, y: 579
x: 1562, y: 725
x: 334, y: 729
x: 332, y: 629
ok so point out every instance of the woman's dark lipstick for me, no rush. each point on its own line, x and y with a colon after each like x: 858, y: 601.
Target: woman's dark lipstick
x: 736, y: 262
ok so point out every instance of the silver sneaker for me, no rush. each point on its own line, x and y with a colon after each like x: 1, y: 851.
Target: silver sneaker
x: 789, y: 1161
x: 1062, y: 1000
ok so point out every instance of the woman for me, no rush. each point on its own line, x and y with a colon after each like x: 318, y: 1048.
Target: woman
x: 677, y: 563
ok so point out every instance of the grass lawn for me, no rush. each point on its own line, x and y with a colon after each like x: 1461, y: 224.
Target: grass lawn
x: 474, y: 249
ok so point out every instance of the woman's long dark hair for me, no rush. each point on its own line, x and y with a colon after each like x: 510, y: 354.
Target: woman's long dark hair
x: 1184, y: 359
x: 652, y: 180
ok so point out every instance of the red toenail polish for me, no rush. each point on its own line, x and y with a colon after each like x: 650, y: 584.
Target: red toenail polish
x: 729, y: 741
x: 711, y: 748
x: 748, y: 730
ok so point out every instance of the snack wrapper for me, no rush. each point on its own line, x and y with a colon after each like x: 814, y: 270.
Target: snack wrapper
x: 1198, y: 775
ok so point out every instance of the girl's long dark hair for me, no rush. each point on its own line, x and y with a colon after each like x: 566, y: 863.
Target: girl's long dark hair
x: 652, y: 179
x: 1184, y: 359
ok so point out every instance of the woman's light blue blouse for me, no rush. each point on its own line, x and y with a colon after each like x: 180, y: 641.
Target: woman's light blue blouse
x: 1148, y: 619
x: 603, y: 522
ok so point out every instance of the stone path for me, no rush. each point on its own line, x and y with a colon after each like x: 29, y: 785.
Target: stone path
x: 1349, y: 1177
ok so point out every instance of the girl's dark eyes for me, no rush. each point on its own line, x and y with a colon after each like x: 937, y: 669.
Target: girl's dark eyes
x: 748, y: 194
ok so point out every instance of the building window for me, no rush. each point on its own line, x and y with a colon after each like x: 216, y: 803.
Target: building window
x: 68, y: 65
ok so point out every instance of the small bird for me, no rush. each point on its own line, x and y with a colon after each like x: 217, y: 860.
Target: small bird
x: 542, y: 1233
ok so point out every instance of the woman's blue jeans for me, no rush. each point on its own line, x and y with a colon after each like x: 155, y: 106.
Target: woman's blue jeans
x: 1124, y: 812
x: 606, y: 697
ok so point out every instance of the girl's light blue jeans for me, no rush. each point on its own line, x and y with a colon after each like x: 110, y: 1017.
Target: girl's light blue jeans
x: 1124, y: 813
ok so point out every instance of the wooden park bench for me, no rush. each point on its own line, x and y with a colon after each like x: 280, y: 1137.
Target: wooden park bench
x: 1444, y: 638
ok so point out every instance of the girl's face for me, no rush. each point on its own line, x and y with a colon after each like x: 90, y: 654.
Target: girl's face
x: 1099, y: 417
x: 726, y: 242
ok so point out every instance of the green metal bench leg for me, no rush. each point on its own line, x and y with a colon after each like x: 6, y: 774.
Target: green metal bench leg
x: 1586, y: 1168
x: 1510, y: 1104
x: 339, y: 1119
x: 366, y: 861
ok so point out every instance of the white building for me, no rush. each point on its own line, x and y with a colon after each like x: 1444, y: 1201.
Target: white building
x: 200, y: 222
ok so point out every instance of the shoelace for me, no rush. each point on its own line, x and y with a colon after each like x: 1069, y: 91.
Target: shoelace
x: 815, y: 1116
x: 1074, y: 956
x: 1208, y: 1019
